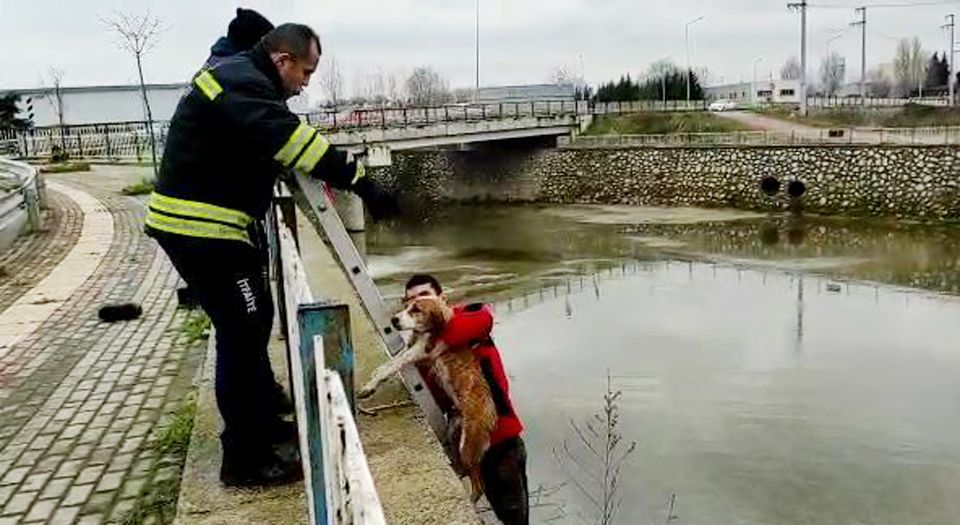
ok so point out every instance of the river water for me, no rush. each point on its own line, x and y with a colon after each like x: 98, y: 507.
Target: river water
x: 772, y: 370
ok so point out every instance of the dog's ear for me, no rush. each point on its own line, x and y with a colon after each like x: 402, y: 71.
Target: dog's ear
x: 435, y: 312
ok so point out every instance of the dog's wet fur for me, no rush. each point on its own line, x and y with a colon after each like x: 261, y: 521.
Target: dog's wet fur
x: 459, y: 374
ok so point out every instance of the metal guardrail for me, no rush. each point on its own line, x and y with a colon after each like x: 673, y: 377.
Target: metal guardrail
x: 337, y: 479
x: 23, y: 196
x: 854, y: 136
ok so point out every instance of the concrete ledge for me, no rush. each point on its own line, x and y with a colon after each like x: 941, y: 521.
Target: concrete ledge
x: 203, y: 499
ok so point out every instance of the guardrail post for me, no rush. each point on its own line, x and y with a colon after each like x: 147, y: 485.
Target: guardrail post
x: 309, y: 323
x: 332, y: 322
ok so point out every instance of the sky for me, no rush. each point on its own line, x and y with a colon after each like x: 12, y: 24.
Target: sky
x: 521, y: 41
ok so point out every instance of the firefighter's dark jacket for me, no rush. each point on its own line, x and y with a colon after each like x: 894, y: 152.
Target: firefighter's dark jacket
x: 230, y: 138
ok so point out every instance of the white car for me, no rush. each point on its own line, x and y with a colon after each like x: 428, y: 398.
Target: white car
x: 722, y: 105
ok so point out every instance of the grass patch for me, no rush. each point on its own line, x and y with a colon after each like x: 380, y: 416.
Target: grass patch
x: 144, y: 187
x: 159, y: 500
x: 909, y: 116
x: 65, y: 167
x: 660, y: 123
x: 196, y: 327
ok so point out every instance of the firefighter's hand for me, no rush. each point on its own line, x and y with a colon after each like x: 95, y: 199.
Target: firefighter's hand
x: 381, y: 204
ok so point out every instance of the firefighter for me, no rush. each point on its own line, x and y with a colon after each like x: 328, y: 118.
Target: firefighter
x: 230, y: 138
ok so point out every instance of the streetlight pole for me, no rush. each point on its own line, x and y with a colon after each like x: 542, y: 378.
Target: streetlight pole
x: 476, y: 87
x: 802, y: 6
x: 863, y: 53
x: 686, y: 40
x: 755, y: 94
x: 951, y: 48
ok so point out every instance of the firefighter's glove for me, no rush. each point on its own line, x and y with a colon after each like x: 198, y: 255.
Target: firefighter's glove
x: 381, y: 204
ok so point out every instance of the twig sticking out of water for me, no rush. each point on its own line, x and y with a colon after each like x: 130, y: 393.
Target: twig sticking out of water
x: 593, y: 456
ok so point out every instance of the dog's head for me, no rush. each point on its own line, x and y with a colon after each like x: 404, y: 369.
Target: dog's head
x: 422, y: 315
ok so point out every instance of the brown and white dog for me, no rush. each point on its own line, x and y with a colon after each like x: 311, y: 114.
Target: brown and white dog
x: 459, y: 373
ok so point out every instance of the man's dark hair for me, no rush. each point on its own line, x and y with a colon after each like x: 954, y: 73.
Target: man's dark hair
x: 422, y: 278
x: 291, y: 38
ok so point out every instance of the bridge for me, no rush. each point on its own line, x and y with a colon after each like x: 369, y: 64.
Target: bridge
x: 380, y: 130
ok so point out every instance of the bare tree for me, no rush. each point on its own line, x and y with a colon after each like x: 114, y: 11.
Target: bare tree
x: 561, y: 75
x: 331, y: 80
x: 56, y: 98
x: 918, y: 65
x: 394, y: 89
x: 832, y: 71
x: 593, y: 456
x: 56, y: 101
x: 910, y: 66
x: 791, y: 69
x: 139, y: 35
x: 426, y: 87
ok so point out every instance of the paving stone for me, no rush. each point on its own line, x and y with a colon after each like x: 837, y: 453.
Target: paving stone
x: 65, y: 516
x: 68, y: 469
x: 42, y: 510
x: 77, y: 494
x: 84, y: 393
x: 90, y: 474
x: 5, y: 492
x: 10, y: 520
x: 99, y: 502
x: 110, y: 481
x: 35, y: 481
x: 15, y: 475
x: 56, y: 488
x: 91, y: 519
x: 19, y: 503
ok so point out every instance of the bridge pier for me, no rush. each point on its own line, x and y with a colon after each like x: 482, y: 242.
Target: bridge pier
x: 350, y: 209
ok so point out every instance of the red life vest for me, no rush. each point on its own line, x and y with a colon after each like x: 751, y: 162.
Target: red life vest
x: 470, y: 327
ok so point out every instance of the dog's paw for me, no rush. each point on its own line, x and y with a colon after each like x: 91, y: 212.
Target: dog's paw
x: 365, y: 392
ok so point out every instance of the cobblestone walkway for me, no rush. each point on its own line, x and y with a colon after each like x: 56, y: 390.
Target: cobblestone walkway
x: 84, y: 403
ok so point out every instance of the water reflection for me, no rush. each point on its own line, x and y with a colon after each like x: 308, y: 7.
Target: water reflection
x: 771, y: 372
x: 753, y: 399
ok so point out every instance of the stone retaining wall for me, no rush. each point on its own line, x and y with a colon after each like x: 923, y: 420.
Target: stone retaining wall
x: 920, y: 182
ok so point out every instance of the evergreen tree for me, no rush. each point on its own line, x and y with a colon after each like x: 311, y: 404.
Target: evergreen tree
x: 8, y: 113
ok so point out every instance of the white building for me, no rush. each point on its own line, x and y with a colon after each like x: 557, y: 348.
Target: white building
x: 103, y: 104
x: 99, y: 104
x: 526, y: 93
x: 759, y: 92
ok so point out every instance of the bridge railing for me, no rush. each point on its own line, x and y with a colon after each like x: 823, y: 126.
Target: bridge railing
x: 130, y: 141
x: 836, y: 136
x: 337, y: 479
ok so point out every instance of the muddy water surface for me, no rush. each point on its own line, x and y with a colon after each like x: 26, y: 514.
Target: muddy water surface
x: 773, y: 370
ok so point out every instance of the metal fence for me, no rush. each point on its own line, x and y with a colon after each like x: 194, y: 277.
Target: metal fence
x: 873, y: 102
x: 337, y: 479
x: 854, y: 136
x: 116, y: 141
x: 22, y: 197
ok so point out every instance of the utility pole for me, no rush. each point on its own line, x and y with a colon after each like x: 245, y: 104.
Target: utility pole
x: 476, y: 87
x: 951, y: 48
x: 686, y: 39
x: 802, y: 6
x: 863, y: 53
